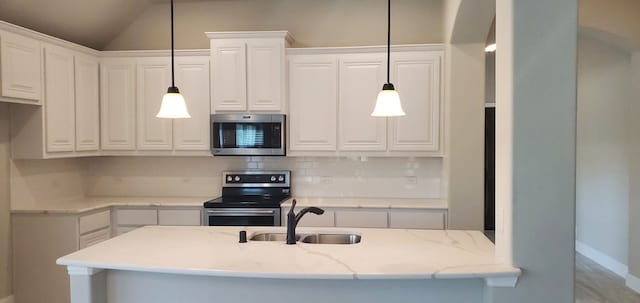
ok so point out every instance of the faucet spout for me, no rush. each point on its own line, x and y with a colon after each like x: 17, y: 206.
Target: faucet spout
x: 293, y: 219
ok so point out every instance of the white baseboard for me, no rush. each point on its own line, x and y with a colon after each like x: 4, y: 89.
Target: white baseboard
x: 602, y: 259
x: 633, y: 283
x: 8, y: 299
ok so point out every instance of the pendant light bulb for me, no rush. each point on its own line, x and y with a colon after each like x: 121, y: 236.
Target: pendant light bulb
x: 173, y: 105
x: 388, y: 102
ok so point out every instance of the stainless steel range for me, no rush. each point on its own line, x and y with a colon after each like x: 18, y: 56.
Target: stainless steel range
x: 249, y: 198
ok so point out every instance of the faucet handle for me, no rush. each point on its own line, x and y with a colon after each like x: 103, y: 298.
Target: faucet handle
x: 293, y: 205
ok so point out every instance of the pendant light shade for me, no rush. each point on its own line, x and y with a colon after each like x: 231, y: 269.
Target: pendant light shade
x: 173, y: 105
x: 388, y: 102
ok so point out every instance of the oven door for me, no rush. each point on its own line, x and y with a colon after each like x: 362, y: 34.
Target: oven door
x: 242, y: 216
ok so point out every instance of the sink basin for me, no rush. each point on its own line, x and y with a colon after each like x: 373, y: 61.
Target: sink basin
x: 332, y: 239
x: 271, y: 237
x: 309, y: 238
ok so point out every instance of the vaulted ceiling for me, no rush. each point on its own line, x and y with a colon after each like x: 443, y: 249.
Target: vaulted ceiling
x: 94, y: 23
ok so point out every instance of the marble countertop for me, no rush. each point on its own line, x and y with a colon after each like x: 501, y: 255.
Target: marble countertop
x: 423, y: 203
x: 82, y: 205
x: 382, y: 254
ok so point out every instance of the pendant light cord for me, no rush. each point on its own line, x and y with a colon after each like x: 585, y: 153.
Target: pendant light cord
x: 388, y: 39
x: 172, y: 63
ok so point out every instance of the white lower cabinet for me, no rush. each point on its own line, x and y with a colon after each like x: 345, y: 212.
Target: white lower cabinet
x: 38, y: 240
x: 374, y: 218
x: 127, y: 219
x: 180, y: 217
x: 413, y: 219
x: 362, y: 218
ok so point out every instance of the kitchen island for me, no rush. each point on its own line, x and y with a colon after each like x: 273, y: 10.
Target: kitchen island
x: 208, y: 264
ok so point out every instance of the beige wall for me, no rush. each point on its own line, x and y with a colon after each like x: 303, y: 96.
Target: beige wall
x: 613, y: 16
x: 465, y: 91
x: 634, y: 201
x: 602, y: 164
x: 5, y: 240
x: 34, y: 182
x: 311, y: 22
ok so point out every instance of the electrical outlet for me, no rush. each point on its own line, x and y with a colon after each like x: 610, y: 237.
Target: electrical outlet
x: 412, y: 180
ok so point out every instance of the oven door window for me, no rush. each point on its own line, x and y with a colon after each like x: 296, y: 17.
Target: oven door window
x: 247, y: 135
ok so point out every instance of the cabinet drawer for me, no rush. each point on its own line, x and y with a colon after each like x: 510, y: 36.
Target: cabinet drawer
x: 137, y: 216
x: 95, y: 221
x: 412, y: 219
x: 361, y: 218
x: 310, y: 220
x: 189, y: 217
x: 94, y: 238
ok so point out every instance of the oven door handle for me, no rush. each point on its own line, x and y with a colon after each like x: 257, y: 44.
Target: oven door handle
x: 241, y: 212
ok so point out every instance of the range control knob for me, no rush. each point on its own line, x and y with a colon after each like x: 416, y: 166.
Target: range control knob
x: 273, y: 178
x: 229, y: 178
x: 281, y: 179
x: 236, y: 178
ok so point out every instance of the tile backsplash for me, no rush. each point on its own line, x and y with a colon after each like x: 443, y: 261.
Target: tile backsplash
x: 311, y: 176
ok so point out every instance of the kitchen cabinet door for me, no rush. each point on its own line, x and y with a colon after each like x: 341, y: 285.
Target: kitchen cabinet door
x: 228, y: 75
x: 362, y: 218
x: 117, y: 104
x: 265, y: 67
x: 192, y: 77
x: 180, y: 217
x: 87, y: 103
x: 20, y: 68
x: 313, y: 102
x: 417, y: 219
x: 154, y: 77
x: 60, y: 99
x: 361, y: 78
x: 417, y: 77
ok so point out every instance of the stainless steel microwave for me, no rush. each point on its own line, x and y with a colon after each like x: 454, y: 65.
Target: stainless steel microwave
x: 248, y: 135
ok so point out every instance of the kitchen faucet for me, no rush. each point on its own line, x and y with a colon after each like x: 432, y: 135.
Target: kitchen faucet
x: 293, y: 219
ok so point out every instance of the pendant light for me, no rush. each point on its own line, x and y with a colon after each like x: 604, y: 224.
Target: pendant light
x: 388, y: 102
x: 173, y: 105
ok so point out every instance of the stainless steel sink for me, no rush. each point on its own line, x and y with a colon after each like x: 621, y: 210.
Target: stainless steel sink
x: 310, y: 238
x: 331, y: 239
x: 270, y: 237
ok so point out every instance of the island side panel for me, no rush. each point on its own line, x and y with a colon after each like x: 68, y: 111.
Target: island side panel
x: 131, y: 286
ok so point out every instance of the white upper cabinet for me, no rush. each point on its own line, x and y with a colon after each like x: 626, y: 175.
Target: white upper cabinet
x: 87, y: 95
x: 361, y: 78
x: 20, y: 69
x: 248, y: 71
x: 265, y: 75
x: 313, y: 91
x: 417, y: 78
x: 154, y: 77
x: 59, y: 99
x: 117, y: 104
x: 325, y: 103
x: 229, y: 75
x: 192, y: 78
x: 67, y: 123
